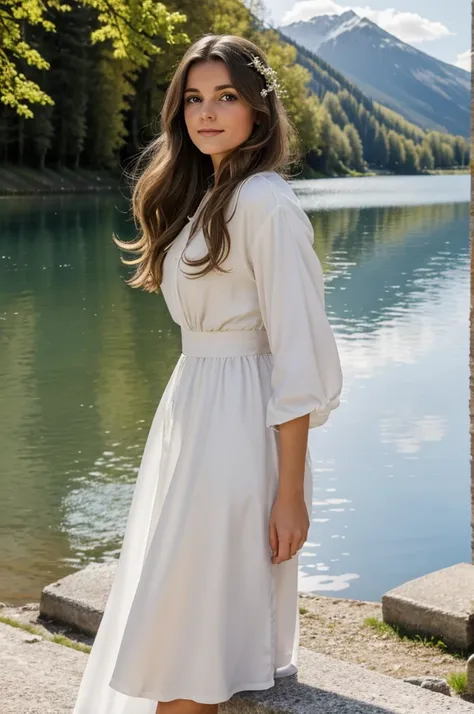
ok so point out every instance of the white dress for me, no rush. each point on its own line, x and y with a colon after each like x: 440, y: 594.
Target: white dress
x: 197, y: 610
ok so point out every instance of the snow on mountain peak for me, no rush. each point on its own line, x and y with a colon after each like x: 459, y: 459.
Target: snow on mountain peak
x: 348, y: 15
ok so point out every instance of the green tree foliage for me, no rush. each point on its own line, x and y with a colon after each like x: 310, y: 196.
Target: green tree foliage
x: 135, y: 30
x: 15, y: 88
x: 356, y: 158
x: 333, y: 105
x: 372, y: 120
x: 83, y: 83
x: 110, y: 92
x: 433, y: 140
x: 397, y: 154
x: 69, y: 57
x: 302, y: 105
x: 425, y: 157
x: 412, y: 161
x: 336, y: 152
x: 461, y: 152
x: 447, y: 155
x: 381, y: 148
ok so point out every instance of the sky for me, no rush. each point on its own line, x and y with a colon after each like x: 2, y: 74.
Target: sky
x: 441, y: 28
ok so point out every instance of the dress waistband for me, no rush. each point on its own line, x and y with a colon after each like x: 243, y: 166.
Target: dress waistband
x: 224, y: 343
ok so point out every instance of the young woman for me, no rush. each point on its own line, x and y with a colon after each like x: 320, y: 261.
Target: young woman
x: 204, y: 600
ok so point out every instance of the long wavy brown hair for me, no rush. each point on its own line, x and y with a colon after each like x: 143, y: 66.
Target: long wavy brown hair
x: 171, y: 176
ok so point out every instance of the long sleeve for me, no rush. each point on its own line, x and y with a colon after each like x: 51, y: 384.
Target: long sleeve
x: 306, y: 373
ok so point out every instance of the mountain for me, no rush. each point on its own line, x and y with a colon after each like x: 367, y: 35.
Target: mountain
x: 428, y: 92
x: 327, y: 80
x: 389, y: 140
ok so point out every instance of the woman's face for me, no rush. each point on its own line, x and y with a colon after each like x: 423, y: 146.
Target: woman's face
x: 210, y: 102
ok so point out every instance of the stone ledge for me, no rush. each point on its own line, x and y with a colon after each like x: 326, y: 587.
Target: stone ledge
x: 439, y: 604
x: 325, y: 685
x: 43, y: 678
x: 37, y: 677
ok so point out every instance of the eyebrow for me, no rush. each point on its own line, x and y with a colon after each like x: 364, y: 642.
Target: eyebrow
x: 219, y: 86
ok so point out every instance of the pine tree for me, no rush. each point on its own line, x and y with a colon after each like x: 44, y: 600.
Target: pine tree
x: 70, y: 76
x: 397, y: 154
x: 110, y: 93
x: 357, y: 155
x: 412, y: 163
x: 425, y: 157
x: 381, y: 147
x: 447, y: 155
x: 333, y: 105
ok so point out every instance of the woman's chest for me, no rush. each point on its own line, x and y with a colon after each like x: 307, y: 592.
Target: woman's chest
x: 206, y: 300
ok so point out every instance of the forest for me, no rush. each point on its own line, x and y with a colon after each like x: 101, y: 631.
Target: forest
x: 82, y: 85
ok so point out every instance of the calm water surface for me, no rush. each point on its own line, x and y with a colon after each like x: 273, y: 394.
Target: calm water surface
x: 84, y: 360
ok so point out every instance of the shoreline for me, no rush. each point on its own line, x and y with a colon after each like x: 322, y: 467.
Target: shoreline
x: 24, y: 181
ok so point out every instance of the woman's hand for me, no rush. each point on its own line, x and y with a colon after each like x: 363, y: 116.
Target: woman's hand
x: 289, y: 525
x: 289, y: 521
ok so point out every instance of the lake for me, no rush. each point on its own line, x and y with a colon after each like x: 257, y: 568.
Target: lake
x: 84, y: 360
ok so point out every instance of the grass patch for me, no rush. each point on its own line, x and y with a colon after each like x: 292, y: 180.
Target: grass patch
x: 58, y: 639
x: 458, y: 682
x: 303, y: 610
x: 66, y: 642
x: 14, y: 623
x: 383, y: 628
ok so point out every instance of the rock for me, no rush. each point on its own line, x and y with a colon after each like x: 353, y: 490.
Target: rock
x: 437, y: 685
x: 434, y: 684
x: 32, y: 638
x: 414, y: 680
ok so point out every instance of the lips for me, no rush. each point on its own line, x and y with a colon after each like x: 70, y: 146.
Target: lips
x: 210, y: 132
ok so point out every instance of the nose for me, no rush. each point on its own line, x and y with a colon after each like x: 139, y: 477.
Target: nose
x: 207, y: 112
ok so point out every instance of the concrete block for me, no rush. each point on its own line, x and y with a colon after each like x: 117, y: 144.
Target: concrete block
x: 439, y: 604
x: 79, y: 599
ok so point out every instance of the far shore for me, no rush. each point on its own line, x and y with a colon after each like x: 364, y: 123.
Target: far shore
x: 25, y: 181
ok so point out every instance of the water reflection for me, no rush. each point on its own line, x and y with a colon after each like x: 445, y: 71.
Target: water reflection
x: 396, y: 456
x: 84, y: 360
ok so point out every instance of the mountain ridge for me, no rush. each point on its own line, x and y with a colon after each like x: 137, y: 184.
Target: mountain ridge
x: 431, y: 93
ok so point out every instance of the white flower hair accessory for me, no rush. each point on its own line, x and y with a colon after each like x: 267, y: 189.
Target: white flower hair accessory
x: 272, y: 83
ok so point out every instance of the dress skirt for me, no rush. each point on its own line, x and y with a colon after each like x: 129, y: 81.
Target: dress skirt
x: 197, y: 610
